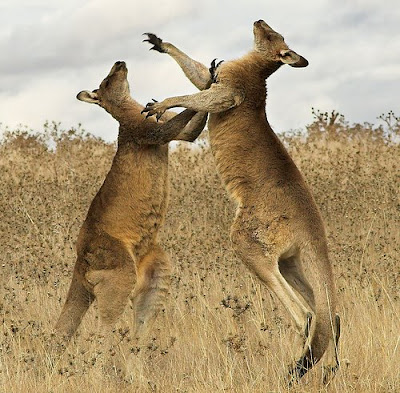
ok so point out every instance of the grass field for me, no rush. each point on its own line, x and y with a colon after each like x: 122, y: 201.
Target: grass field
x: 221, y: 331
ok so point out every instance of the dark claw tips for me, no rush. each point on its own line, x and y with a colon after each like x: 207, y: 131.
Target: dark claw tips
x: 155, y: 41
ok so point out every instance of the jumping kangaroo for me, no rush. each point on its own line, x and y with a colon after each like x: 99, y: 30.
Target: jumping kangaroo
x: 117, y: 247
x: 278, y: 228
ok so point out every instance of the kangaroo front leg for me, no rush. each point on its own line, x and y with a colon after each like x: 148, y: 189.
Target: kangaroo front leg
x: 185, y: 126
x: 218, y: 98
x: 196, y: 72
x: 193, y: 128
x: 165, y: 132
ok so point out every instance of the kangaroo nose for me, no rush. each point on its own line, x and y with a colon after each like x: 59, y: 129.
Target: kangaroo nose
x: 120, y: 65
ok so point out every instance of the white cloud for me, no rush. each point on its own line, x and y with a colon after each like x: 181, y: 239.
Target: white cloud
x: 51, y: 50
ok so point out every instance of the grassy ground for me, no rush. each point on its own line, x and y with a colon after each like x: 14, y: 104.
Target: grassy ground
x: 221, y: 331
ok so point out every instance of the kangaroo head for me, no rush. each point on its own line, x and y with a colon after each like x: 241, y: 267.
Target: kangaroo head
x: 272, y: 46
x: 113, y: 91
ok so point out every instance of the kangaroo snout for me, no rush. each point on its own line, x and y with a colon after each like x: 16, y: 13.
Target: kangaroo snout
x: 120, y: 64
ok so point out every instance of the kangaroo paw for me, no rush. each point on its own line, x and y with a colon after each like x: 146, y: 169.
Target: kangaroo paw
x: 156, y: 42
x: 213, y: 70
x: 154, y: 108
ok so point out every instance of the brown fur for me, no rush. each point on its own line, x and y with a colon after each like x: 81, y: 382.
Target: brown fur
x: 278, y: 228
x: 117, y: 244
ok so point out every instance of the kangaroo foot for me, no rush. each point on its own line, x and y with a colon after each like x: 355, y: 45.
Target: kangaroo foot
x: 330, y: 369
x: 305, y: 362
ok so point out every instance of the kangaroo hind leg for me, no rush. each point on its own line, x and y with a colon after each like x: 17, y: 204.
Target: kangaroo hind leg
x: 151, y: 289
x: 291, y: 270
x: 264, y: 261
x: 266, y: 266
x: 325, y: 329
x: 111, y: 288
x: 331, y: 363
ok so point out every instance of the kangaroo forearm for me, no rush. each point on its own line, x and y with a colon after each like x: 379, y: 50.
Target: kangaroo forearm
x: 213, y: 100
x: 169, y: 130
x: 194, y: 128
x: 167, y: 115
x: 196, y: 72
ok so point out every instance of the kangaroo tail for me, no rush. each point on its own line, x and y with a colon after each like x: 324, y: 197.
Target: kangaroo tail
x: 77, y: 302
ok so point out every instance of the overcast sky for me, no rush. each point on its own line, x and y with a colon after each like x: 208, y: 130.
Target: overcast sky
x: 51, y: 49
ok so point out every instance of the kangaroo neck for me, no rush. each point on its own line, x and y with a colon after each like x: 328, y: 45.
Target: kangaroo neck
x: 131, y: 122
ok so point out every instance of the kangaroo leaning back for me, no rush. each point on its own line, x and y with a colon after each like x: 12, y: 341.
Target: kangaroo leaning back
x: 278, y: 229
x: 117, y: 247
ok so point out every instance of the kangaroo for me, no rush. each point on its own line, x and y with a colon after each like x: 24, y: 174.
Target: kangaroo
x: 117, y: 246
x: 278, y: 229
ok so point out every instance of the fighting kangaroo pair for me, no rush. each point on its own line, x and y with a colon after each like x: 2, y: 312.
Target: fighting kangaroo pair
x: 277, y: 229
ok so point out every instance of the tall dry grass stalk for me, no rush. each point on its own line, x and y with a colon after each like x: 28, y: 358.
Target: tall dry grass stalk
x: 220, y: 330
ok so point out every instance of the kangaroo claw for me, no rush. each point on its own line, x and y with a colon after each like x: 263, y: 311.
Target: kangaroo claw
x: 308, y: 325
x: 155, y: 41
x: 213, y: 70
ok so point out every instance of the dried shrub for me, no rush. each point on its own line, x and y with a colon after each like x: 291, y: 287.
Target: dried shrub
x: 221, y: 330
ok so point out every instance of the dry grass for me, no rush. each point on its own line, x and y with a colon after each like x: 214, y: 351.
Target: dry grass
x: 221, y: 330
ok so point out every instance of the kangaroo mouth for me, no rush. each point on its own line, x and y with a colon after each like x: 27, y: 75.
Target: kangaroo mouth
x: 261, y: 23
x: 120, y: 66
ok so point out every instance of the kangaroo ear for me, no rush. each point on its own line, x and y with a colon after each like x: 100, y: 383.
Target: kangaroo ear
x: 292, y: 58
x: 88, y: 96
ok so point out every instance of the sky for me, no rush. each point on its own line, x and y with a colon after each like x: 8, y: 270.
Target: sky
x: 52, y: 49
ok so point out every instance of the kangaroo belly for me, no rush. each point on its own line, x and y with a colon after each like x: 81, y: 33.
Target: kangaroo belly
x: 233, y: 151
x: 132, y: 201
